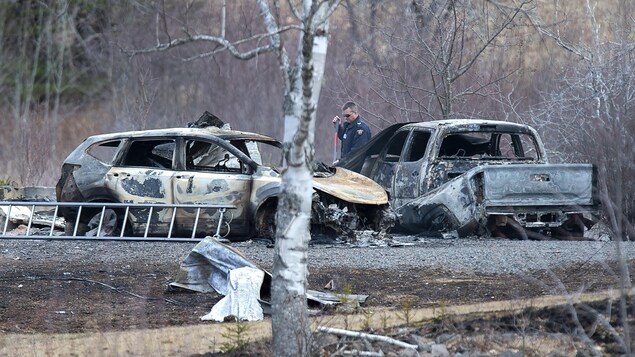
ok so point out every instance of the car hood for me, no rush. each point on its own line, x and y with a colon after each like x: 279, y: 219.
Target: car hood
x: 351, y: 187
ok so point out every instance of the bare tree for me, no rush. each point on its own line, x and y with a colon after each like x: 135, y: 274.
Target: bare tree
x: 592, y: 109
x: 441, y: 56
x: 302, y: 77
x: 43, y: 56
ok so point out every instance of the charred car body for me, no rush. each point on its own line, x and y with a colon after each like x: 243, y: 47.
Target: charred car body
x: 209, y: 166
x: 480, y: 177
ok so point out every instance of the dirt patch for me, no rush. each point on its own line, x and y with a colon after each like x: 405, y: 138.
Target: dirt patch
x: 61, y: 295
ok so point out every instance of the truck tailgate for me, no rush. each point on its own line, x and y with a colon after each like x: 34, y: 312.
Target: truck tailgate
x: 538, y: 185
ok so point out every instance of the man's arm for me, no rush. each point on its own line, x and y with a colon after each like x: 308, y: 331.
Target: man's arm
x: 341, y: 129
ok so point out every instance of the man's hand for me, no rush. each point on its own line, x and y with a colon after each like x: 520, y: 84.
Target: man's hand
x: 336, y: 120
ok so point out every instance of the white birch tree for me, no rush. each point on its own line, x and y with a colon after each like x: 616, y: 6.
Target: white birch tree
x: 302, y: 77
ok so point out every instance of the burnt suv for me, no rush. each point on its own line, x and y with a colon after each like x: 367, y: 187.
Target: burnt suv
x: 208, y: 166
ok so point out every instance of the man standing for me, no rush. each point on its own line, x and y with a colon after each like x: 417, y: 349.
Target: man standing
x: 353, y: 132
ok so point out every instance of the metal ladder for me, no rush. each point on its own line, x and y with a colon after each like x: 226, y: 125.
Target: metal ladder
x: 8, y: 206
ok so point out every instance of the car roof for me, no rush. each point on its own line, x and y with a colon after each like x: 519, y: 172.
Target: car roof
x: 463, y: 123
x: 184, y: 132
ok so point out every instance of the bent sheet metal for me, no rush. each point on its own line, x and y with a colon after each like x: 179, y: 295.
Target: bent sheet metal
x: 206, y: 268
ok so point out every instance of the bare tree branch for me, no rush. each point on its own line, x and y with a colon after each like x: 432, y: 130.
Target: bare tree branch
x: 231, y: 47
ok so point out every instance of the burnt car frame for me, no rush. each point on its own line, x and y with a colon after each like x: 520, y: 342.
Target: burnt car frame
x: 483, y: 177
x: 209, y: 166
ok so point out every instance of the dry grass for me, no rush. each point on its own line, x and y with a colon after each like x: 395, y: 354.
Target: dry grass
x: 204, y: 338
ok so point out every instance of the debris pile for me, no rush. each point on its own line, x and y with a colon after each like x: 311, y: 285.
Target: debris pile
x: 212, y: 266
x: 18, y: 219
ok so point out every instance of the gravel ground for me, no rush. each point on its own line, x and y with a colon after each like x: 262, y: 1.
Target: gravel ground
x: 52, y: 286
x: 456, y: 255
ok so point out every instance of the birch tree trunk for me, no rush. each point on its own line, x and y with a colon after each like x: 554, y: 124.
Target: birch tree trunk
x: 290, y: 319
x: 302, y: 82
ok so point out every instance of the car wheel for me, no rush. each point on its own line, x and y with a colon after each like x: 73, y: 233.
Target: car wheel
x: 266, y: 221
x: 111, y: 224
x: 69, y: 228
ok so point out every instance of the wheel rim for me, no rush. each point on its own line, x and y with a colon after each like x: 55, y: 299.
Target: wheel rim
x: 108, y: 224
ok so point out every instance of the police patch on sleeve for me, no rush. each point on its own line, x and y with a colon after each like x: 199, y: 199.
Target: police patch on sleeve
x: 360, y: 132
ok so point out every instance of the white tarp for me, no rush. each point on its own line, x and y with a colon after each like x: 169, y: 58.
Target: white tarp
x: 208, y: 266
x: 241, y: 300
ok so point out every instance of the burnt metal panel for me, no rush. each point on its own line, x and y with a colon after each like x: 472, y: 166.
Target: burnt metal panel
x: 351, y: 187
x: 538, y: 185
x: 364, y: 155
x: 206, y: 269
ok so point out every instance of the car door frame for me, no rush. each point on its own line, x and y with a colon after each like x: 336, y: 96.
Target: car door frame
x: 408, y: 175
x: 138, y: 175
x: 383, y: 171
x: 185, y: 180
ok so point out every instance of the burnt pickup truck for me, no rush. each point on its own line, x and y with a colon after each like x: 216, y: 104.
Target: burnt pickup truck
x: 478, y: 177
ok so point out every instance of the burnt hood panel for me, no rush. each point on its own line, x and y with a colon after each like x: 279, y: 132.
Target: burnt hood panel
x: 351, y: 187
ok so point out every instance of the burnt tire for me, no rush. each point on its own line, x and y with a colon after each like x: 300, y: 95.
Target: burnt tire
x: 572, y: 229
x: 104, y: 223
x: 266, y: 221
x: 69, y: 228
x: 439, y: 219
x: 111, y: 224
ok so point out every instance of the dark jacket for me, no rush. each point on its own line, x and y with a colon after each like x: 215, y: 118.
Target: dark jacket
x: 353, y: 135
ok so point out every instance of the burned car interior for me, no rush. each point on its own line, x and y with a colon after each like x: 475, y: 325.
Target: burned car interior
x: 206, y: 156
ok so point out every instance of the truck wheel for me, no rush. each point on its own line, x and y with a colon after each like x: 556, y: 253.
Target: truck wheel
x: 439, y: 219
x: 572, y: 228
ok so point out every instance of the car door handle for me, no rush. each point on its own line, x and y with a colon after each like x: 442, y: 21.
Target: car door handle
x: 184, y: 177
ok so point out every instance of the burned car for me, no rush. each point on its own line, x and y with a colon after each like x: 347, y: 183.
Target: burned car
x: 208, y: 166
x: 478, y: 177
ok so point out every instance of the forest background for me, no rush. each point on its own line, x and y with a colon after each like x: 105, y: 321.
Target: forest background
x: 70, y: 69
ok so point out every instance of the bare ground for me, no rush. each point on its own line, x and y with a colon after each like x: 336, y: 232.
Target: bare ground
x: 39, y: 297
x: 66, y: 294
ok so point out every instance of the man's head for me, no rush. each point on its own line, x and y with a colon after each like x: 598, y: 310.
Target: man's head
x: 349, y: 111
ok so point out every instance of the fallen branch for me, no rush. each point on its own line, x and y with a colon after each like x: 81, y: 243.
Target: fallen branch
x: 368, y: 336
x: 363, y: 353
x: 119, y: 290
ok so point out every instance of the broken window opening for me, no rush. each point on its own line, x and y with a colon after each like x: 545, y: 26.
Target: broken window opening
x: 530, y: 149
x: 205, y: 156
x: 105, y: 151
x: 488, y: 146
x: 150, y: 153
x: 395, y: 147
x: 270, y: 155
x: 249, y: 148
x: 418, y: 146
